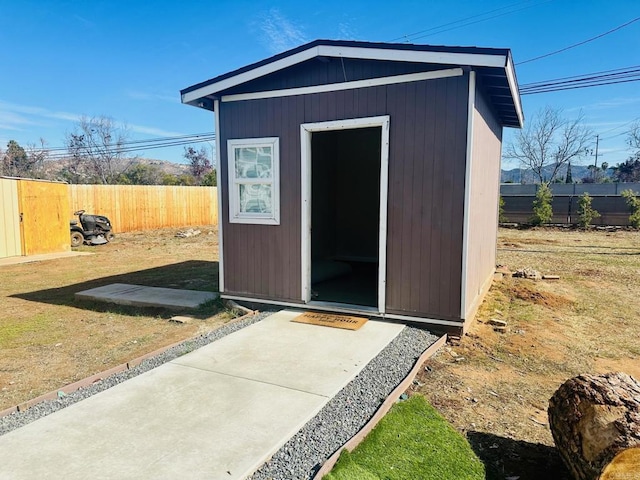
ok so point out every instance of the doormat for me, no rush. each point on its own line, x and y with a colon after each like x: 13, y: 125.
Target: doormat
x: 331, y: 320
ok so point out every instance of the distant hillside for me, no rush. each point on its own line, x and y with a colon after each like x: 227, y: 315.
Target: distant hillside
x: 517, y: 175
x: 53, y: 168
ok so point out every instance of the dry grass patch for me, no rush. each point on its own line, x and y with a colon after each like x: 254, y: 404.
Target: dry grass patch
x: 49, y: 340
x: 586, y: 322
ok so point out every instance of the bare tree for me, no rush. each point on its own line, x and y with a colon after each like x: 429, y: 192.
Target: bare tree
x: 97, y: 151
x: 23, y: 162
x: 633, y: 136
x: 549, y: 142
x: 199, y: 162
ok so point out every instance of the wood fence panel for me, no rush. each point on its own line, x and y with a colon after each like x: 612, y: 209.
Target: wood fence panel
x: 140, y: 207
x: 44, y: 209
x: 10, y: 245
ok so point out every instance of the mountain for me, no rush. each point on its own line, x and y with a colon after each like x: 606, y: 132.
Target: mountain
x: 517, y: 175
x: 52, y: 169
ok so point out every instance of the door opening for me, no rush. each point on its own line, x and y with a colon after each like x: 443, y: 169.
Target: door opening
x: 345, y: 215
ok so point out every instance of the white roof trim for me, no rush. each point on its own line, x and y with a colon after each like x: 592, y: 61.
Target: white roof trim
x: 515, y: 92
x: 332, y: 87
x: 446, y: 58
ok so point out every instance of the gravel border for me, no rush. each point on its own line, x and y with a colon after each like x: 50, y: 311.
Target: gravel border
x: 345, y: 414
x: 303, y: 455
x: 18, y: 419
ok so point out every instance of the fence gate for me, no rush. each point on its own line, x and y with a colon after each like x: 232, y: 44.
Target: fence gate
x: 44, y: 214
x: 9, y: 219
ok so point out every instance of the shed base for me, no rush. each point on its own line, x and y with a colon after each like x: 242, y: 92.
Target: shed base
x: 432, y: 324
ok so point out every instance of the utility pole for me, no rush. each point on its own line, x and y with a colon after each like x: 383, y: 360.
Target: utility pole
x: 596, y: 160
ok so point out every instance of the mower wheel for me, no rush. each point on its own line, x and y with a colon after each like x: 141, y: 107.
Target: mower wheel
x: 76, y: 239
x: 110, y: 237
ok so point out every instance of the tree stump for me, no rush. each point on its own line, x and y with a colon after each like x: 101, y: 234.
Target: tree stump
x: 595, y: 422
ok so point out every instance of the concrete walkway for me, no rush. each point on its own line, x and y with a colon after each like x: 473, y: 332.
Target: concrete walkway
x: 216, y: 413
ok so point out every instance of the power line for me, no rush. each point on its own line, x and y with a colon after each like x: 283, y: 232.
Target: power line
x: 439, y: 27
x: 580, y: 43
x: 139, y: 148
x: 193, y: 136
x: 608, y: 77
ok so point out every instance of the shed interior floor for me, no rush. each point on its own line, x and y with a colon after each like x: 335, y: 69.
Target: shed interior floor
x: 359, y: 287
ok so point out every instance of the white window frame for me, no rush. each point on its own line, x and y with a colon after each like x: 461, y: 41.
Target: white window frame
x: 235, y: 216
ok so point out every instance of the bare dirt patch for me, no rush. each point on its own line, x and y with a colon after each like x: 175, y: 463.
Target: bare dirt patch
x: 586, y: 322
x: 48, y: 339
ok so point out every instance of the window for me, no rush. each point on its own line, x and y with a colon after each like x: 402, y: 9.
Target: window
x: 254, y: 183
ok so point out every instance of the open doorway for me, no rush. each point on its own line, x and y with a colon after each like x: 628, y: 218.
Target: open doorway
x: 345, y: 215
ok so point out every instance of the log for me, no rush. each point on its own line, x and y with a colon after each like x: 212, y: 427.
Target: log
x: 595, y: 423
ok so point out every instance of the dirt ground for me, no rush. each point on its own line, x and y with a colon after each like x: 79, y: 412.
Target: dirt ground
x: 492, y: 386
x: 49, y: 340
x: 495, y: 387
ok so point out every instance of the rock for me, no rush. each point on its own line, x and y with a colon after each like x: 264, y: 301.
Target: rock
x: 529, y: 273
x: 500, y: 329
x: 497, y: 322
x: 181, y: 319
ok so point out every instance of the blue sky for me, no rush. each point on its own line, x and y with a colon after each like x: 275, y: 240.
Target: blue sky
x: 129, y: 59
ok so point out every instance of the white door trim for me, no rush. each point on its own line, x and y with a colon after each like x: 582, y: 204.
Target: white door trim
x: 306, y: 130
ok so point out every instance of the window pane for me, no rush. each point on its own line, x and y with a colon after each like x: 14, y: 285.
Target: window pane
x: 255, y: 198
x: 253, y: 162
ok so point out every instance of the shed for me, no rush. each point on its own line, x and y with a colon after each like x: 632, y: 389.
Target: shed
x: 362, y: 177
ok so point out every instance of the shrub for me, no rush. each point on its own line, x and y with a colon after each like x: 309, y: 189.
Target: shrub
x: 501, y: 217
x: 542, y: 211
x: 586, y: 213
x: 634, y: 207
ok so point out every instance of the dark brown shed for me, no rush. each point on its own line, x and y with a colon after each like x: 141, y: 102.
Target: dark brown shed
x: 362, y: 177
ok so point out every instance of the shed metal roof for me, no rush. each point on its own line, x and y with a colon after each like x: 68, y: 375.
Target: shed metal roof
x: 493, y: 65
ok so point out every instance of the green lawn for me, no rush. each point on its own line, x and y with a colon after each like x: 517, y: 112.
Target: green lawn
x: 411, y: 442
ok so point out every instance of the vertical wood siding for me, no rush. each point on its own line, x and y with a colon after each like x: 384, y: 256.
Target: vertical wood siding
x: 426, y: 191
x: 9, y: 219
x: 140, y: 207
x: 483, y: 208
x: 44, y: 208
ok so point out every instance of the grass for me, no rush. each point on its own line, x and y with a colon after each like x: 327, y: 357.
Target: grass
x: 48, y: 339
x: 413, y: 441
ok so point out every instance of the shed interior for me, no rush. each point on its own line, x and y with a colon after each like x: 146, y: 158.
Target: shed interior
x: 345, y: 215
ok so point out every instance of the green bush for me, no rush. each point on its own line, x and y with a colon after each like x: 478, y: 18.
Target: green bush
x: 586, y: 213
x: 501, y: 217
x: 634, y: 207
x: 542, y: 211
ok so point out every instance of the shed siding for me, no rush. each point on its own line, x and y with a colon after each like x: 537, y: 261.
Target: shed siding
x: 10, y: 245
x: 483, y: 208
x: 426, y: 192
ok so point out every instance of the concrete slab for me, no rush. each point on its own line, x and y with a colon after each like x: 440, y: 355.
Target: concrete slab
x: 40, y: 258
x: 141, y: 296
x: 216, y: 413
x: 325, y: 358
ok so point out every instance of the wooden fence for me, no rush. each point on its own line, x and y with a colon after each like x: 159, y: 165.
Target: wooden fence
x: 139, y: 207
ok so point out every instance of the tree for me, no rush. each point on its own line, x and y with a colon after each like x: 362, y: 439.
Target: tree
x: 586, y: 213
x: 629, y: 170
x: 210, y: 179
x: 97, y: 150
x: 569, y: 178
x: 542, y: 211
x: 549, y: 142
x: 141, y: 174
x: 501, y: 217
x: 199, y: 163
x: 633, y: 203
x: 23, y: 162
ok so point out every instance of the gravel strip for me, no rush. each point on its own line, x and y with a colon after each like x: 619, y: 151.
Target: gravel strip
x: 19, y: 419
x: 344, y: 415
